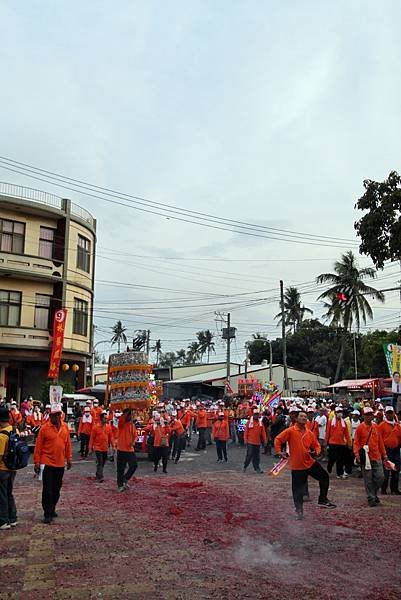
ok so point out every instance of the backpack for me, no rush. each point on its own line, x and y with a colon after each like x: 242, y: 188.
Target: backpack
x: 17, y: 452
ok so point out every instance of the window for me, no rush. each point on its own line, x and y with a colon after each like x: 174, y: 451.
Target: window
x: 42, y: 311
x: 80, y: 324
x: 83, y: 254
x: 12, y: 236
x: 10, y: 308
x: 46, y: 242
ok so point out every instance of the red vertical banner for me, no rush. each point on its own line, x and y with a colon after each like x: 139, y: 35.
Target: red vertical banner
x: 60, y: 317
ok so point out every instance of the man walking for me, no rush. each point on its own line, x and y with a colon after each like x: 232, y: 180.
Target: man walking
x: 337, y: 440
x: 126, y: 458
x: 220, y: 434
x: 101, y: 440
x: 84, y: 430
x: 390, y: 431
x: 369, y: 452
x: 53, y: 450
x: 303, y: 448
x: 8, y: 510
x: 254, y: 436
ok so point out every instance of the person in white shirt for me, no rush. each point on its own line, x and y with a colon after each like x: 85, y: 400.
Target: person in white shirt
x: 321, y: 420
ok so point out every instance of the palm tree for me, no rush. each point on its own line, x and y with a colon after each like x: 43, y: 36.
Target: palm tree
x: 193, y: 353
x: 206, y: 343
x: 348, y: 280
x: 157, y: 348
x: 119, y: 336
x: 181, y: 356
x: 294, y: 311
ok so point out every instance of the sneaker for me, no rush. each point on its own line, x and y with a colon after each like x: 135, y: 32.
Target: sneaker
x: 326, y: 504
x: 101, y: 480
x: 121, y: 489
x: 164, y: 471
x: 372, y: 503
x: 341, y: 477
x: 5, y: 526
x: 299, y: 515
x: 13, y: 524
x: 47, y: 520
x: 176, y: 461
x: 306, y: 498
x: 377, y: 500
x: 125, y: 485
x: 259, y: 471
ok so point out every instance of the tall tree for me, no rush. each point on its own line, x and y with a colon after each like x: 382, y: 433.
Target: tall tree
x: 380, y: 228
x: 119, y: 336
x: 294, y: 311
x: 193, y: 353
x: 181, y: 356
x: 348, y: 279
x: 157, y: 348
x: 206, y: 343
x: 167, y: 359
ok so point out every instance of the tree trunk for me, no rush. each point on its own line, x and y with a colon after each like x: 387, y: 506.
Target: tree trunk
x: 119, y: 345
x: 340, y: 356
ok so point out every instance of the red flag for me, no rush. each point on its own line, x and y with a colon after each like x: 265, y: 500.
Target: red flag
x: 60, y: 317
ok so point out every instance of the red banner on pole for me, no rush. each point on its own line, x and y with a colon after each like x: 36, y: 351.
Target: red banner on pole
x: 60, y: 317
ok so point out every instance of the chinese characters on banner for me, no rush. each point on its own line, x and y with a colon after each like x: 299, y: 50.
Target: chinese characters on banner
x: 58, y: 339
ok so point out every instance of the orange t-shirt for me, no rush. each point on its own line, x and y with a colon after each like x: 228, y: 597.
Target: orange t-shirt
x: 300, y: 442
x: 255, y: 435
x: 53, y: 446
x: 101, y: 438
x: 337, y: 434
x: 187, y: 418
x: 201, y: 419
x: 85, y: 428
x: 177, y: 427
x: 161, y: 431
x: 376, y: 446
x: 313, y: 427
x: 221, y: 430
x: 391, y: 434
x: 126, y: 435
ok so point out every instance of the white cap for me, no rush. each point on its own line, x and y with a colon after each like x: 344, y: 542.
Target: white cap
x: 56, y: 408
x: 48, y: 406
x: 355, y: 412
x: 293, y: 409
x: 174, y: 413
x: 368, y: 410
x: 87, y: 409
x: 310, y: 410
x: 221, y: 414
x: 339, y: 409
x: 389, y: 408
x: 13, y: 403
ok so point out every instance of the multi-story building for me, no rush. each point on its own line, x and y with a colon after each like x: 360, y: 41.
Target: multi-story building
x: 47, y: 262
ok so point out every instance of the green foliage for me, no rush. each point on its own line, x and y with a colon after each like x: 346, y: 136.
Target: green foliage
x: 68, y: 388
x: 380, y: 228
x: 294, y: 311
x: 118, y: 336
x: 205, y: 343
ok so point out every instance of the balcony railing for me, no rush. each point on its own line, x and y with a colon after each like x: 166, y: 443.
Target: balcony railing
x: 34, y: 195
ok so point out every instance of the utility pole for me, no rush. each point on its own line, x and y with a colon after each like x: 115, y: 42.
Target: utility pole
x: 271, y: 361
x: 246, y: 359
x: 284, y: 336
x: 148, y: 343
x: 228, y: 348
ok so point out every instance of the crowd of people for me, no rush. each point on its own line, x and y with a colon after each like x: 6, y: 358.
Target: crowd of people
x: 362, y: 437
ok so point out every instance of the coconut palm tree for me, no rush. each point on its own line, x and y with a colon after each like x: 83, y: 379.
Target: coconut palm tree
x: 353, y: 308
x: 193, y: 353
x: 294, y: 311
x: 181, y: 356
x: 157, y: 348
x: 119, y: 336
x: 206, y: 343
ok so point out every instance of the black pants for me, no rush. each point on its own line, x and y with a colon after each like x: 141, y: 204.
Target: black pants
x: 338, y: 456
x: 101, y: 458
x: 202, y: 438
x: 252, y: 454
x: 125, y: 459
x: 161, y: 452
x: 299, y: 479
x: 394, y: 476
x: 221, y: 447
x: 349, y: 460
x: 84, y: 444
x: 178, y: 445
x: 52, y: 479
x: 8, y: 510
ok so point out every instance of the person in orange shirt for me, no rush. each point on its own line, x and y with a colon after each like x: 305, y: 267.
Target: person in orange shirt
x: 220, y: 434
x: 15, y: 415
x: 254, y: 436
x: 312, y: 425
x: 126, y: 457
x: 53, y: 450
x: 35, y: 420
x: 100, y: 441
x: 186, y: 420
x: 85, y: 430
x: 369, y: 452
x: 96, y: 411
x: 201, y: 426
x: 161, y: 435
x: 390, y: 431
x: 178, y: 434
x: 338, y: 440
x: 303, y: 450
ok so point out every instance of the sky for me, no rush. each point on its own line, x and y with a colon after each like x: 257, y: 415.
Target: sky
x: 270, y: 113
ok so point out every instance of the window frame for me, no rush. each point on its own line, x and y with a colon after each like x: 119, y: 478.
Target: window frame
x: 38, y: 307
x: 84, y: 253
x: 80, y: 317
x: 9, y: 303
x: 47, y: 241
x: 14, y: 236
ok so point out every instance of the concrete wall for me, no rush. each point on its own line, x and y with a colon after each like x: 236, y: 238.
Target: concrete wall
x: 189, y: 371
